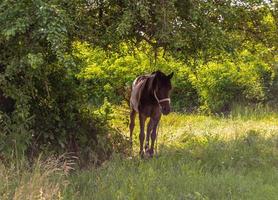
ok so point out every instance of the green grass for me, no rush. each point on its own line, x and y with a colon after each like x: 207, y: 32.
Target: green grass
x: 200, y: 157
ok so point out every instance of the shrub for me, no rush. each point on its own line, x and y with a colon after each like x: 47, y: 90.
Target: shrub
x: 217, y: 85
x: 213, y: 87
x: 112, y: 75
x: 220, y: 84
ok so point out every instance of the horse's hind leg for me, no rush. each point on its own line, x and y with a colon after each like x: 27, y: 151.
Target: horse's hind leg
x: 142, y: 119
x: 131, y: 124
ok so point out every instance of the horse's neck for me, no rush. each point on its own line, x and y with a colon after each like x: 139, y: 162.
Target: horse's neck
x: 148, y: 95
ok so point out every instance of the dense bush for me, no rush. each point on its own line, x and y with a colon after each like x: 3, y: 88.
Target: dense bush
x: 42, y: 104
x: 111, y: 75
x: 219, y: 85
x: 211, y: 87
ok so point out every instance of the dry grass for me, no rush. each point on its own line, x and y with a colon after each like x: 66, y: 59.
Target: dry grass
x: 45, y: 180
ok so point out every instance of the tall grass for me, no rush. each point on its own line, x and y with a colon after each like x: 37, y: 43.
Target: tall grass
x: 257, y: 111
x: 46, y: 179
x: 199, y: 157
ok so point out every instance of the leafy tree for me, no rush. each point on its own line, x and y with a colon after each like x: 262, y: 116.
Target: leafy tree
x: 38, y: 75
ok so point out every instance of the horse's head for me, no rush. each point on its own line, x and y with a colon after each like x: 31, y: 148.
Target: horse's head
x: 161, y: 88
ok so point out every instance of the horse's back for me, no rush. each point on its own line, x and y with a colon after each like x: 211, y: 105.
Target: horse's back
x: 138, y: 86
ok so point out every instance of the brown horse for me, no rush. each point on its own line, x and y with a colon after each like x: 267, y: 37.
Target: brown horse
x: 150, y: 96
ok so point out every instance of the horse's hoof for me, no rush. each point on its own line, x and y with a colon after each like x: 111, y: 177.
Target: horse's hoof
x: 142, y: 155
x: 146, y: 148
x: 150, y: 152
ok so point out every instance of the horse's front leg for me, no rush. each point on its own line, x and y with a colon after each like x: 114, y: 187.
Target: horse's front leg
x: 142, y: 119
x: 153, y: 135
x: 149, y: 129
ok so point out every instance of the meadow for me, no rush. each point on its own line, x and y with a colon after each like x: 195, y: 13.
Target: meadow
x: 66, y: 70
x: 199, y: 157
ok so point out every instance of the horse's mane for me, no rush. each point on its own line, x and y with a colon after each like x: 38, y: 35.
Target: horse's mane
x: 152, y: 80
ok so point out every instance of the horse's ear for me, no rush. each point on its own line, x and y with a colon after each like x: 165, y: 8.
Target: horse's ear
x: 157, y: 73
x: 170, y: 75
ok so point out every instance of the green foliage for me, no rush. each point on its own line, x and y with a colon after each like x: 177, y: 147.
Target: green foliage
x: 185, y: 28
x: 215, y: 86
x: 32, y: 38
x: 110, y: 76
x: 220, y: 84
x: 38, y: 73
x: 15, y: 135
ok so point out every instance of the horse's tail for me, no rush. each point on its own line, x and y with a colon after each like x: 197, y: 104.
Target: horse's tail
x: 127, y: 93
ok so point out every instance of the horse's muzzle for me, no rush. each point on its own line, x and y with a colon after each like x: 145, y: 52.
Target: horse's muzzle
x: 165, y: 110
